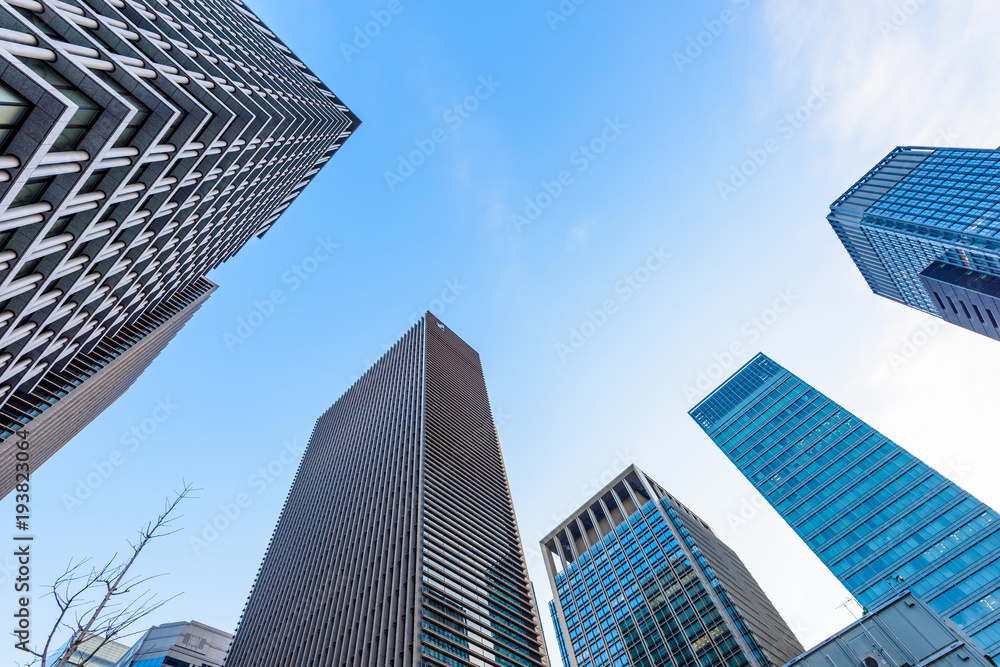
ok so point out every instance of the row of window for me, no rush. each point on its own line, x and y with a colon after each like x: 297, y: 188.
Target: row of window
x: 652, y: 618
x: 907, y: 547
x: 790, y: 427
x: 884, y: 455
x: 849, y: 445
x: 863, y: 510
x: 890, y: 522
x: 824, y: 464
x: 983, y: 575
x: 735, y: 438
x: 965, y: 309
x: 736, y: 390
x: 970, y: 562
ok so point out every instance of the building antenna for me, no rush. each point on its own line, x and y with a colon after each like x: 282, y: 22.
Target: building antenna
x: 861, y: 621
x: 847, y: 605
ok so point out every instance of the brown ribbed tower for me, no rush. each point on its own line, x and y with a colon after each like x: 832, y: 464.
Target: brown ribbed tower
x: 398, y: 543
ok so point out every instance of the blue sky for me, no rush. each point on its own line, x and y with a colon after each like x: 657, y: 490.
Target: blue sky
x: 634, y: 142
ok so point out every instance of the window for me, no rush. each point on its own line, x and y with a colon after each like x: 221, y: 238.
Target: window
x: 141, y: 111
x: 169, y: 134
x: 31, y: 192
x: 27, y: 269
x: 938, y: 297
x: 61, y: 225
x: 12, y: 111
x: 84, y: 117
x: 965, y: 309
x: 33, y: 18
x: 90, y: 185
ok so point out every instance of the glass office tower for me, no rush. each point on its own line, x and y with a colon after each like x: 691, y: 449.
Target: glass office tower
x: 923, y: 227
x: 398, y: 544
x: 640, y: 580
x: 877, y: 516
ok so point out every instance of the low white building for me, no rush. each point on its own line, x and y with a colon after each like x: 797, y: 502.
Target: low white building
x: 904, y: 632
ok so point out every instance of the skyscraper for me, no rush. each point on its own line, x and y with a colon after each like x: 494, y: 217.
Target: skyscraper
x: 877, y: 516
x: 141, y: 145
x: 639, y: 579
x: 398, y: 544
x: 923, y: 226
x: 141, y: 341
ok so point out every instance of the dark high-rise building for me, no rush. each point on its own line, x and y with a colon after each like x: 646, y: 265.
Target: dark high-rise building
x: 141, y: 145
x: 398, y: 545
x: 881, y: 519
x: 639, y: 579
x: 923, y: 227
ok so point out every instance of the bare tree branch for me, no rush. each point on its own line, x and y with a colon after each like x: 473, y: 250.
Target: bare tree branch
x: 109, y: 616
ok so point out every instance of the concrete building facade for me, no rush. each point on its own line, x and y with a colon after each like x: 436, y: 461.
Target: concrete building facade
x: 903, y: 631
x: 141, y: 145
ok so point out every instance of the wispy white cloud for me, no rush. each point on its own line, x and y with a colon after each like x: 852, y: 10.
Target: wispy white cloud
x: 904, y: 71
x: 579, y: 234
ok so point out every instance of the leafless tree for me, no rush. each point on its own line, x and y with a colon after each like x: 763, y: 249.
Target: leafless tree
x: 102, y: 603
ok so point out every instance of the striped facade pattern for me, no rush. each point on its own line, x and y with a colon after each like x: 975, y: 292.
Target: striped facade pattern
x: 141, y: 145
x: 398, y: 543
x: 622, y: 593
x: 52, y: 429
